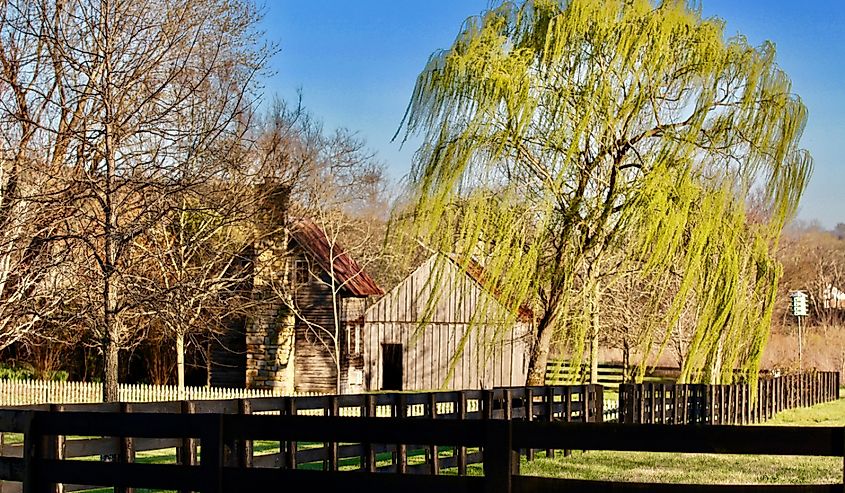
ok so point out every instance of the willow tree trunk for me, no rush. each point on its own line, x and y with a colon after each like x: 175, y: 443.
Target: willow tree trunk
x: 540, y: 350
x: 595, y: 296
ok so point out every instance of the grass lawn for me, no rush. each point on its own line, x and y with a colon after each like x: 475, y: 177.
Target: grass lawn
x: 706, y: 468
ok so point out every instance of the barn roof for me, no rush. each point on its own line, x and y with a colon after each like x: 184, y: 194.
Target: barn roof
x: 346, y: 270
x: 476, y: 271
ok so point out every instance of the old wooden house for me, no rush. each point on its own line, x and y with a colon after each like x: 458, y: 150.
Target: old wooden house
x: 442, y: 327
x: 312, y: 295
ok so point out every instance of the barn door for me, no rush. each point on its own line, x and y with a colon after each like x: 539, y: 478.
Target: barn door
x: 391, y: 367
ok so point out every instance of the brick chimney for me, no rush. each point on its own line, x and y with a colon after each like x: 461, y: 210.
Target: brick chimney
x: 270, y: 326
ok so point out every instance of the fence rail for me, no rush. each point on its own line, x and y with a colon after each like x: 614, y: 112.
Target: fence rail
x: 563, y: 372
x: 552, y: 403
x: 227, y: 462
x: 436, y: 440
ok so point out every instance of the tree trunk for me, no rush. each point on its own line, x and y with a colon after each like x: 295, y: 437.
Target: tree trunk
x: 111, y: 335
x: 208, y: 365
x: 110, y: 295
x: 180, y: 365
x: 540, y: 350
x: 110, y: 368
x: 626, y: 361
x: 595, y: 295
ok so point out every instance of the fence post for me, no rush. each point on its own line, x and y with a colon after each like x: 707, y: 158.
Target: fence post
x: 334, y: 410
x: 289, y: 446
x: 32, y: 454
x: 369, y: 460
x: 675, y: 404
x: 244, y: 447
x: 487, y: 402
x: 529, y: 416
x: 435, y: 455
x: 211, y: 460
x: 126, y: 448
x: 401, y: 449
x: 652, y: 403
x: 639, y: 392
x: 621, y: 403
x: 187, y: 452
x: 585, y: 403
x: 462, y: 450
x: 599, y: 403
x: 500, y: 460
x: 550, y: 412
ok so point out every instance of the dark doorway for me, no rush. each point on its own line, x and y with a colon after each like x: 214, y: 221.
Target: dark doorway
x: 391, y: 367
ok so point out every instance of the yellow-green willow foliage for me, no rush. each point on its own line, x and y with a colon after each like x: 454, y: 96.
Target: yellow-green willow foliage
x: 555, y: 132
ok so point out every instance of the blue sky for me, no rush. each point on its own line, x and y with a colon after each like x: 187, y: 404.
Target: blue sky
x: 356, y: 62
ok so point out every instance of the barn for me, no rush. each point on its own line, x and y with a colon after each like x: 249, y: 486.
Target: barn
x: 412, y: 341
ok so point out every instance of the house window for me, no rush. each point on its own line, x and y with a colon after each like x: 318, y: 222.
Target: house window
x: 353, y: 339
x: 300, y: 272
x: 357, y: 339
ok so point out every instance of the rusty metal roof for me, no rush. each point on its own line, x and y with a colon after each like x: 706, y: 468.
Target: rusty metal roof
x: 347, y: 271
x: 477, y: 272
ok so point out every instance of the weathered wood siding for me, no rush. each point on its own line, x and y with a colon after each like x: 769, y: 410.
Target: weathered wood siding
x: 314, y: 367
x: 461, y: 341
x: 352, y: 363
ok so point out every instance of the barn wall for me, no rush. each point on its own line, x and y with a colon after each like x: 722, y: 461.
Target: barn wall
x: 464, y: 320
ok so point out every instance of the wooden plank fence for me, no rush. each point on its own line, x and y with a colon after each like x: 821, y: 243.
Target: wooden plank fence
x: 227, y: 464
x: 583, y: 403
x: 735, y: 404
x: 562, y: 372
x: 22, y: 392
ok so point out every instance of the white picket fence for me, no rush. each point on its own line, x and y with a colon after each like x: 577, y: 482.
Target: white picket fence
x: 22, y: 392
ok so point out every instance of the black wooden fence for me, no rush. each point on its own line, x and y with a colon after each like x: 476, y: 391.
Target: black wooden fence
x: 582, y: 403
x: 224, y: 462
x: 48, y: 445
x: 724, y: 404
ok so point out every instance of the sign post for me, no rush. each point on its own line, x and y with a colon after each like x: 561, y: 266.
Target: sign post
x: 799, y: 309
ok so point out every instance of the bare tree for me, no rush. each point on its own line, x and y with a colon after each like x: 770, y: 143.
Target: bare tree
x: 131, y: 94
x: 32, y: 286
x: 197, y: 264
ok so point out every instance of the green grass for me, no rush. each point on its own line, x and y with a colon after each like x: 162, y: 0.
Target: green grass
x: 705, y: 468
x: 688, y: 468
x: 828, y: 414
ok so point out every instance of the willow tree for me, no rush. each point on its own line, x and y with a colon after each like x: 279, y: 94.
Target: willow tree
x: 551, y: 128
